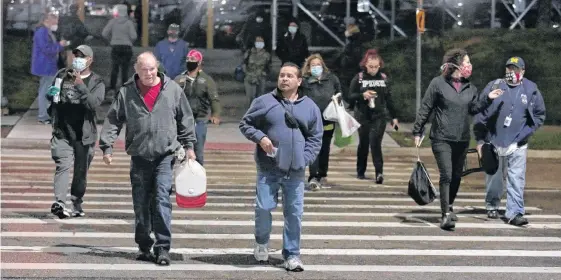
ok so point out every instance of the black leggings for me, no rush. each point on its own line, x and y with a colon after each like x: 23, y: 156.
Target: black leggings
x: 370, y: 135
x: 450, y: 157
x: 121, y: 56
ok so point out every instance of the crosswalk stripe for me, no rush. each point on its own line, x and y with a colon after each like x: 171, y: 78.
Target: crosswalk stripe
x: 342, y: 224
x: 239, y: 197
x: 427, y: 238
x: 243, y: 205
x: 276, y: 213
x: 317, y: 268
x: 330, y: 252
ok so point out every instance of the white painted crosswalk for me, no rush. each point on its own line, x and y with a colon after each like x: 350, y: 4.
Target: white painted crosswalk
x: 351, y: 229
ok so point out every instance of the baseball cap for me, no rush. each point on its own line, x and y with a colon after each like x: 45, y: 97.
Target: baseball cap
x: 173, y: 28
x: 196, y: 54
x: 85, y: 49
x: 516, y: 61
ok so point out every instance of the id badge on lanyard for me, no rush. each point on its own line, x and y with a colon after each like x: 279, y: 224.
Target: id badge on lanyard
x: 508, y: 118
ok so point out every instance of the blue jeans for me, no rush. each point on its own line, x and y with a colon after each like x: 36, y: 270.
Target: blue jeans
x: 43, y: 103
x: 151, y: 189
x: 268, y: 185
x: 200, y: 134
x: 512, y: 173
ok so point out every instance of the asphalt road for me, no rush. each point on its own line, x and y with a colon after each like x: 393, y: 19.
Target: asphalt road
x: 351, y: 230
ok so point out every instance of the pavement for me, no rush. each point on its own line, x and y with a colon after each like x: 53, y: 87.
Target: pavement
x: 351, y: 229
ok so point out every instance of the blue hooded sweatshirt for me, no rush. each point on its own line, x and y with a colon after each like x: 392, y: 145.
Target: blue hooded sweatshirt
x: 524, y: 103
x: 172, y: 55
x: 265, y: 118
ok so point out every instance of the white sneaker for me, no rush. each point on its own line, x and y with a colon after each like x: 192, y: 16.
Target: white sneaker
x: 261, y: 252
x: 294, y: 264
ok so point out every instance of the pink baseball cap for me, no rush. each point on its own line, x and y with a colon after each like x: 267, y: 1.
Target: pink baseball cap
x: 195, y: 54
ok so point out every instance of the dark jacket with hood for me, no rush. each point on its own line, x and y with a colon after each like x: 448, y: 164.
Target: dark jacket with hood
x: 321, y: 90
x: 149, y: 134
x: 75, y: 115
x: 293, y: 49
x: 378, y: 83
x: 452, y: 109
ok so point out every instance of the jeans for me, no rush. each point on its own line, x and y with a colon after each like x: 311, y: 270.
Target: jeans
x: 44, y: 83
x: 370, y: 135
x: 268, y: 185
x: 151, y: 188
x: 200, y: 134
x: 253, y: 91
x: 450, y: 158
x: 67, y: 154
x: 318, y: 169
x: 512, y: 173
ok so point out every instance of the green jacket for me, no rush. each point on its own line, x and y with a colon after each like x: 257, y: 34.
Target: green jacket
x: 202, y: 94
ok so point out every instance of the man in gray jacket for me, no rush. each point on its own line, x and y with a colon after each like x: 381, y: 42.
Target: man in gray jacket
x: 75, y: 95
x: 288, y: 129
x: 121, y: 34
x: 159, y: 123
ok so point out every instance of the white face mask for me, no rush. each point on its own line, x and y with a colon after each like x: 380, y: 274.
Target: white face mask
x: 54, y: 27
x: 79, y: 64
x: 259, y: 45
x: 292, y: 29
x: 259, y: 20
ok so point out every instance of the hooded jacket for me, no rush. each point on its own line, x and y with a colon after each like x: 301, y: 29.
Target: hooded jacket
x: 266, y: 118
x: 120, y: 31
x: 149, y: 134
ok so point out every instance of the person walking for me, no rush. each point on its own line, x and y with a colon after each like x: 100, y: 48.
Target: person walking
x: 171, y: 52
x: 73, y: 113
x: 370, y: 95
x: 453, y: 99
x: 160, y: 129
x: 508, y: 124
x: 320, y: 85
x: 257, y: 64
x: 287, y: 128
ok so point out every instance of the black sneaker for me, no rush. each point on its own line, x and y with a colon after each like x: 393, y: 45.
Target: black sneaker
x: 59, y: 209
x: 447, y: 223
x: 453, y: 215
x: 163, y: 258
x: 380, y: 178
x: 145, y: 256
x: 492, y: 214
x: 361, y: 177
x: 518, y: 220
x: 78, y: 211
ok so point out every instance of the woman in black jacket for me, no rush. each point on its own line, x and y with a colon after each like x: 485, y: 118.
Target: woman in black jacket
x: 320, y: 85
x: 452, y: 98
x: 370, y: 95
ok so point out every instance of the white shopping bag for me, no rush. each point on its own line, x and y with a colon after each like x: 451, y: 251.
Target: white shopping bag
x: 190, y: 184
x: 335, y: 111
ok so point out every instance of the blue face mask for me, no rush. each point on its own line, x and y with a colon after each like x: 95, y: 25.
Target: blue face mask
x: 79, y: 64
x: 259, y: 45
x: 316, y: 70
x: 292, y: 29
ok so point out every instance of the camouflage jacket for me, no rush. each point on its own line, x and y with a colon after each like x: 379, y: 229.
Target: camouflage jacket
x: 256, y: 64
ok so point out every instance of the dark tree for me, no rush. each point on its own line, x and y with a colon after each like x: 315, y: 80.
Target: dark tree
x: 544, y: 14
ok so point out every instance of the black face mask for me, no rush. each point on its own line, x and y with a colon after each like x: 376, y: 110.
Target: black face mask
x: 192, y: 65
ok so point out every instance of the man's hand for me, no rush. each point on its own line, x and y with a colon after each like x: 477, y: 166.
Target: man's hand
x: 478, y: 148
x: 495, y: 93
x: 78, y: 79
x: 180, y: 154
x: 215, y: 120
x: 191, y: 154
x: 266, y: 145
x: 107, y: 159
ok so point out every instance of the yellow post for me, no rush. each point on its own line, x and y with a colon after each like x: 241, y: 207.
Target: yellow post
x: 209, y: 25
x: 81, y: 9
x: 145, y: 9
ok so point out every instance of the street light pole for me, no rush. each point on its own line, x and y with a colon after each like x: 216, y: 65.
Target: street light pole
x: 209, y: 25
x: 420, y: 29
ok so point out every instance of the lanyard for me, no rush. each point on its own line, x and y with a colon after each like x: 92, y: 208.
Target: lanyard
x: 513, y: 101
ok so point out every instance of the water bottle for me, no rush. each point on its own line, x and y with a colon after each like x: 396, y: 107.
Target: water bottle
x: 371, y: 103
x: 56, y: 97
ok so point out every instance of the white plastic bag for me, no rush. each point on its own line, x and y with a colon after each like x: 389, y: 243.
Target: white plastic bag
x: 335, y: 111
x: 190, y: 184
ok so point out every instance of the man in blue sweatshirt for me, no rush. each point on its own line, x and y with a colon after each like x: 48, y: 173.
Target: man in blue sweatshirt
x: 507, y: 124
x: 288, y: 129
x: 171, y: 52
